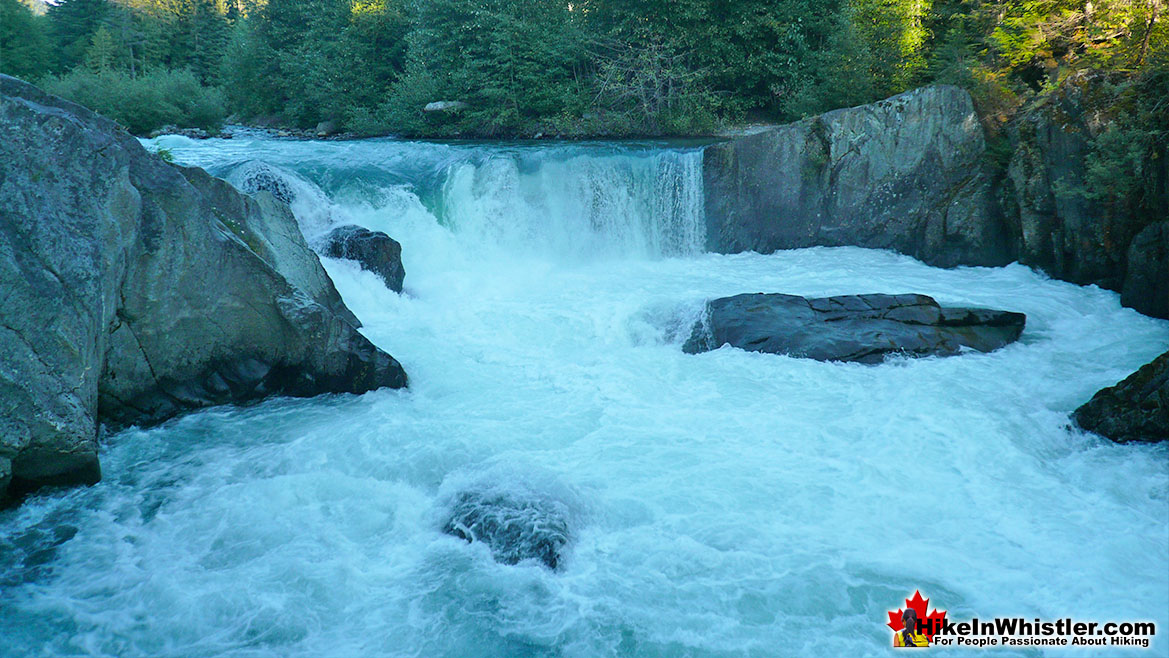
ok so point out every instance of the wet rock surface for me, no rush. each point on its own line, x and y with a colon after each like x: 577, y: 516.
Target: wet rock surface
x: 514, y: 525
x: 860, y: 328
x: 373, y: 250
x: 1135, y: 409
x: 137, y: 290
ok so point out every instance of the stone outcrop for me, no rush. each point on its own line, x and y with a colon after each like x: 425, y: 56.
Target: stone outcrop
x: 1136, y: 409
x: 373, y: 250
x: 1146, y: 281
x: 136, y: 290
x: 1063, y: 225
x: 905, y: 174
x: 911, y: 174
x: 861, y: 328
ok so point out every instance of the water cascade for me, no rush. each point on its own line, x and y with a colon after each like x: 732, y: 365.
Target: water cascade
x: 722, y: 504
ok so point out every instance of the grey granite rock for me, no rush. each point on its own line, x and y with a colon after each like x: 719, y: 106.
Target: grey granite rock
x: 905, y: 173
x: 135, y: 290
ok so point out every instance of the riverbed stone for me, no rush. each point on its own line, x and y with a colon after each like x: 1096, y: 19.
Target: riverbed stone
x: 860, y: 328
x: 373, y: 250
x: 516, y: 527
x: 1135, y: 409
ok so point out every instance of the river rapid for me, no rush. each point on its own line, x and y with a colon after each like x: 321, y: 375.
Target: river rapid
x: 721, y: 504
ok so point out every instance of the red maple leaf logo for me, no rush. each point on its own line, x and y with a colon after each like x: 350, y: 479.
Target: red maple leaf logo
x: 930, y: 623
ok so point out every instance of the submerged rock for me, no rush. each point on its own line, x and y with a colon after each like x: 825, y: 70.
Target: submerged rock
x: 373, y: 250
x: 1136, y: 409
x: 136, y: 290
x: 862, y: 328
x: 514, y: 526
x: 255, y: 177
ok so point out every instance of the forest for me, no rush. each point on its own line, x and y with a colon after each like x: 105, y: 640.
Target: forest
x: 585, y: 68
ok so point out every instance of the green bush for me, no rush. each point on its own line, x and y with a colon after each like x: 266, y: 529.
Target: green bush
x: 146, y: 102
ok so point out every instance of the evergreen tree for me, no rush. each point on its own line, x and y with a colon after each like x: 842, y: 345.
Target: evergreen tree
x: 24, y: 44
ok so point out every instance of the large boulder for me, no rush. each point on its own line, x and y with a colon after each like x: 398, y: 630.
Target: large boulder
x: 373, y: 250
x: 862, y: 328
x: 136, y: 290
x: 1136, y: 409
x: 906, y: 174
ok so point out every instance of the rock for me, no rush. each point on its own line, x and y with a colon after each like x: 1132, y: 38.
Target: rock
x: 1061, y: 230
x: 862, y: 328
x: 1146, y: 283
x: 905, y: 174
x: 255, y: 176
x: 136, y: 290
x: 193, y: 133
x: 445, y: 106
x: 1136, y: 409
x: 911, y: 174
x: 515, y: 527
x: 327, y: 128
x: 374, y: 250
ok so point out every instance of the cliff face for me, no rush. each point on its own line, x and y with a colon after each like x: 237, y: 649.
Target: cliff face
x: 910, y: 174
x: 904, y: 174
x: 1065, y: 227
x: 135, y: 290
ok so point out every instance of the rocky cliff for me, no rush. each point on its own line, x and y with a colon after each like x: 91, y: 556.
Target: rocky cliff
x: 904, y: 174
x: 135, y: 290
x: 911, y: 174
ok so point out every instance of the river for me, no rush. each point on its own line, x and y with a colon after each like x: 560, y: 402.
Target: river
x: 722, y: 504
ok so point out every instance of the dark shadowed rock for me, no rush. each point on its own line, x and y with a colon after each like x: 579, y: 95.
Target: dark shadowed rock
x: 1146, y: 285
x: 374, y: 250
x: 905, y: 174
x: 863, y: 328
x: 136, y: 290
x: 1136, y: 409
x: 514, y: 526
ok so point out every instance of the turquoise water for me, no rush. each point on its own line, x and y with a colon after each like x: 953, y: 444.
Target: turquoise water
x: 722, y: 504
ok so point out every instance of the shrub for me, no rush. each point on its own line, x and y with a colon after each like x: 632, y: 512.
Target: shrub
x: 146, y: 102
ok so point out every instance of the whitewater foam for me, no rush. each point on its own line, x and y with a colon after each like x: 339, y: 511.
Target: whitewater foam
x: 722, y: 504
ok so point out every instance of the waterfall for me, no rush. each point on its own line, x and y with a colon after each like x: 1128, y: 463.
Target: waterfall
x: 574, y: 202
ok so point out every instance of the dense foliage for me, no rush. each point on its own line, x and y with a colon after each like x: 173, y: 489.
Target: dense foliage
x: 581, y: 67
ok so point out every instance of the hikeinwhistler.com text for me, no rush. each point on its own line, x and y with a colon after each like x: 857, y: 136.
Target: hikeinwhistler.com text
x: 1020, y: 632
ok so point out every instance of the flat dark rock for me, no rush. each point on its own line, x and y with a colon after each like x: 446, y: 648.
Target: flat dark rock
x: 861, y: 328
x: 1136, y: 409
x: 373, y: 250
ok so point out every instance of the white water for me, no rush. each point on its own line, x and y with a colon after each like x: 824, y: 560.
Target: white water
x: 723, y: 504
